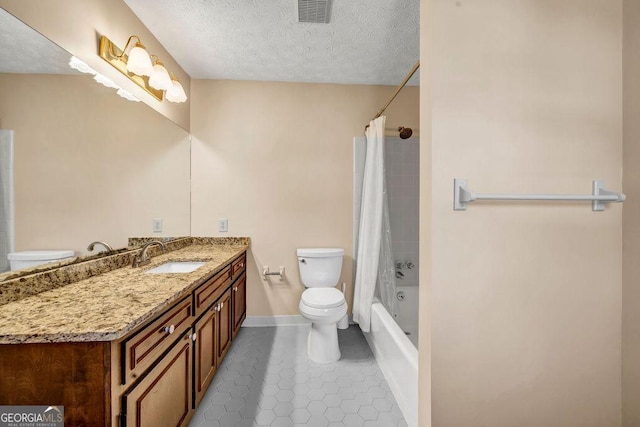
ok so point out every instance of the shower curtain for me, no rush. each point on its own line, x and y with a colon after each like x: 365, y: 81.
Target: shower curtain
x: 6, y: 197
x: 374, y: 264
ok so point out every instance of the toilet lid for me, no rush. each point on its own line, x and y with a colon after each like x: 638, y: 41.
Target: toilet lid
x: 322, y: 297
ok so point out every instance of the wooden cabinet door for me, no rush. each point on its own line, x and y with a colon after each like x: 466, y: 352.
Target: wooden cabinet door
x: 163, y: 397
x: 239, y: 298
x: 224, y: 325
x: 206, y: 345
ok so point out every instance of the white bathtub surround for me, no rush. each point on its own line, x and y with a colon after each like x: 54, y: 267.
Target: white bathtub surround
x: 406, y: 315
x: 6, y: 198
x: 386, y: 281
x: 398, y: 359
x: 370, y: 236
x: 402, y: 167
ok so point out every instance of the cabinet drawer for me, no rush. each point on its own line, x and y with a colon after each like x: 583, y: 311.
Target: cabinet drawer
x: 211, y: 290
x: 143, y: 349
x: 238, y: 266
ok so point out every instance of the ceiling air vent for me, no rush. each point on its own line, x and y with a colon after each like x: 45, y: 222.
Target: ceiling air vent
x: 315, y: 11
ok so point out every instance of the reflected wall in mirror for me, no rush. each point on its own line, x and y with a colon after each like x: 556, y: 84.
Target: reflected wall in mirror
x: 88, y: 165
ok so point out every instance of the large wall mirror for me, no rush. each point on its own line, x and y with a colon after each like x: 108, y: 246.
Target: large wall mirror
x: 87, y: 164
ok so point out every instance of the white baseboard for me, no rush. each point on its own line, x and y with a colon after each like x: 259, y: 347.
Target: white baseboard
x: 282, y: 320
x: 260, y: 321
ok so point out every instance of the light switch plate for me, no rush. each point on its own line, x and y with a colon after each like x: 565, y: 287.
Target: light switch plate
x: 157, y: 225
x: 223, y: 225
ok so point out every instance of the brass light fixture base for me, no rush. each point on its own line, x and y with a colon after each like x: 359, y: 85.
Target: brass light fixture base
x: 116, y: 57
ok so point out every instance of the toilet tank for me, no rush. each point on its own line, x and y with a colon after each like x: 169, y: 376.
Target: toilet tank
x: 320, y: 267
x: 27, y: 259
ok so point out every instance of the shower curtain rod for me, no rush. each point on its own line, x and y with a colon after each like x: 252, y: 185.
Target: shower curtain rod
x: 404, y: 82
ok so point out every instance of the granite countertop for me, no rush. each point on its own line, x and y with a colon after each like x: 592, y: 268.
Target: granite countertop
x: 110, y: 305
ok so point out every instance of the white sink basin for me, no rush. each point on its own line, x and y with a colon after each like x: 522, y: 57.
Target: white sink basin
x: 177, y: 267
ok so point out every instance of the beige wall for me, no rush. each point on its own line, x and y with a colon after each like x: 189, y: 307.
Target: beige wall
x: 526, y: 297
x: 631, y: 224
x: 90, y: 165
x: 76, y: 26
x: 276, y: 159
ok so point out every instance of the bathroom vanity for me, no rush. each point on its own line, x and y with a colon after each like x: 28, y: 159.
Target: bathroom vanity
x: 126, y: 347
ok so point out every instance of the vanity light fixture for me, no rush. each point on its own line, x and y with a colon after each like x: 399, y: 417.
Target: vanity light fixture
x: 146, y: 71
x: 119, y: 60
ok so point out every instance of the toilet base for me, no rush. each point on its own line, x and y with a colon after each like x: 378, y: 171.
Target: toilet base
x: 322, y: 344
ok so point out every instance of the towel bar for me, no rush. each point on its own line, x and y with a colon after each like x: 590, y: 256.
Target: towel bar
x: 599, y: 196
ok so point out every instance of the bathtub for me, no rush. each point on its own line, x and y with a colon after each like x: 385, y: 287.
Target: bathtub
x: 398, y: 359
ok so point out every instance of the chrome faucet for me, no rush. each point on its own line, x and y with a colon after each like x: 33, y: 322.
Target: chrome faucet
x: 141, y: 257
x: 106, y: 246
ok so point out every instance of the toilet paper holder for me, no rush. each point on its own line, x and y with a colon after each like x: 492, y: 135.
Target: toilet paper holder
x: 266, y: 272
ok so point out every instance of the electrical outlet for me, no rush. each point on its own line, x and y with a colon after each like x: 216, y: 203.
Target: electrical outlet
x: 157, y: 225
x: 223, y: 225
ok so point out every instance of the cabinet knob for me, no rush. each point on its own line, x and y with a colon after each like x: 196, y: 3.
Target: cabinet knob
x: 221, y: 305
x: 193, y: 336
x: 235, y: 289
x: 169, y: 329
x: 241, y: 264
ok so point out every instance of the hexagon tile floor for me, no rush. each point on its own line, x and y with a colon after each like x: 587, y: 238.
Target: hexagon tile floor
x: 266, y: 379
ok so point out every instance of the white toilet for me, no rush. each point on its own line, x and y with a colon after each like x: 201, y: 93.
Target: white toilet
x: 28, y: 259
x: 322, y: 303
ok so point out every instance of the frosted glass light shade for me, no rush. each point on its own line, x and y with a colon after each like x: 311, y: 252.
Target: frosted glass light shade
x: 139, y: 61
x: 160, y: 79
x: 176, y: 92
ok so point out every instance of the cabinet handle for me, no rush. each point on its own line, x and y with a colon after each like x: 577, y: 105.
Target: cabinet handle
x: 169, y: 329
x: 193, y: 336
x: 241, y: 264
x: 221, y: 305
x: 235, y: 289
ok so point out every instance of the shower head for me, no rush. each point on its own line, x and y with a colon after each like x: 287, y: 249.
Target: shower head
x: 405, y: 132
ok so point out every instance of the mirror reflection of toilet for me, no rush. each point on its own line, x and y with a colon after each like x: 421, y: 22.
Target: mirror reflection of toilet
x: 321, y: 302
x: 29, y: 259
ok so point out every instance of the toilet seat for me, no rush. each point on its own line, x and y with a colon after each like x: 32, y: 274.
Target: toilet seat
x: 322, y: 298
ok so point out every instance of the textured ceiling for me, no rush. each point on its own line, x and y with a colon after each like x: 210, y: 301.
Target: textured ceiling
x: 365, y: 42
x: 24, y: 50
